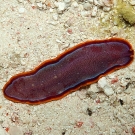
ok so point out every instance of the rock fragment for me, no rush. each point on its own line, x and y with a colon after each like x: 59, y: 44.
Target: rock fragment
x: 102, y: 83
x: 94, y: 11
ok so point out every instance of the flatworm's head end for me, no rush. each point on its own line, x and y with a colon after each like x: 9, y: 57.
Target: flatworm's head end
x: 8, y: 92
x: 13, y: 90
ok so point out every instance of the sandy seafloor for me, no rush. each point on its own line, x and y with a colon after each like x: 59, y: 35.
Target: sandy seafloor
x: 31, y: 33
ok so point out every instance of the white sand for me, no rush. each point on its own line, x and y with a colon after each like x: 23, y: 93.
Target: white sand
x: 34, y: 31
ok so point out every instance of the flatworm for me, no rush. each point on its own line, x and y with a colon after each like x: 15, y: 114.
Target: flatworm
x: 78, y: 66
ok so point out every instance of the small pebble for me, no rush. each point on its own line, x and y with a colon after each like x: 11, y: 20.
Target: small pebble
x: 80, y: 7
x: 90, y: 1
x: 114, y: 30
x: 61, y: 6
x: 108, y: 3
x: 87, y: 6
x: 95, y: 2
x: 93, y: 87
x: 100, y: 3
x: 132, y: 2
x: 91, y: 94
x: 67, y: 1
x: 53, y: 23
x: 39, y: 5
x: 21, y: 10
x: 94, y: 11
x: 74, y: 4
x: 108, y: 91
x: 102, y: 83
x: 44, y: 6
x: 55, y: 17
x: 51, y: 10
x: 70, y: 31
x: 84, y: 13
x: 106, y: 9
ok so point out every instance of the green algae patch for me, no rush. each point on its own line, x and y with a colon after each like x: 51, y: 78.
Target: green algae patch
x: 126, y: 11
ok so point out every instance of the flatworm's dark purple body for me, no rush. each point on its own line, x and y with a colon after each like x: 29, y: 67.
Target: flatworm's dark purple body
x: 78, y: 66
